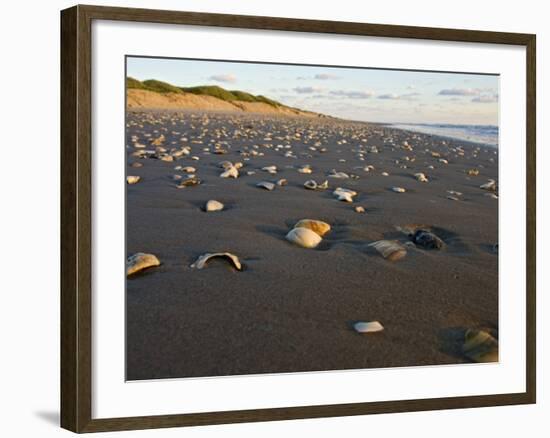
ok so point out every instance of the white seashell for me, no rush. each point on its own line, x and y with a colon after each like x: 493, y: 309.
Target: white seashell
x: 310, y: 184
x: 443, y: 160
x: 345, y: 195
x: 319, y: 227
x: 266, y: 185
x: 225, y: 164
x: 213, y: 205
x: 303, y: 237
x: 491, y: 185
x: 305, y: 169
x: 270, y: 169
x: 398, y: 189
x: 390, y: 249
x: 385, y: 174
x: 195, y: 158
x: 338, y: 175
x: 168, y: 158
x: 323, y: 185
x: 359, y: 209
x: 132, y: 179
x: 231, y: 172
x: 188, y: 169
x: 282, y: 182
x: 203, y: 259
x: 421, y: 177
x: 238, y: 165
x: 140, y: 261
x: 368, y: 327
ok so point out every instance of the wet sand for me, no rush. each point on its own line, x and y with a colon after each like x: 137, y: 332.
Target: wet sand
x: 293, y: 309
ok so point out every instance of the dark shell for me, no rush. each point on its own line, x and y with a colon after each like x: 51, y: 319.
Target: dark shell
x: 427, y: 240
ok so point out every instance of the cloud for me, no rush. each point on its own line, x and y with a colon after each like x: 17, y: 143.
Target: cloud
x: 459, y: 92
x: 326, y: 76
x: 223, y: 78
x: 409, y: 96
x: 352, y: 94
x: 411, y: 87
x: 307, y: 90
x: 389, y: 96
x: 486, y: 98
x: 279, y: 90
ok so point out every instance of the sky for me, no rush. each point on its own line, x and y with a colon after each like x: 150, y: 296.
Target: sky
x: 389, y: 96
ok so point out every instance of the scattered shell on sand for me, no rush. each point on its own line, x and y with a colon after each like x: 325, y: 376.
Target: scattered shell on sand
x: 426, y: 239
x: 231, y: 172
x: 282, y: 182
x: 132, y: 179
x: 480, y: 346
x: 398, y: 189
x: 305, y: 169
x: 213, y: 205
x: 270, y: 169
x: 473, y: 172
x: 188, y: 169
x: 266, y: 185
x: 203, y: 259
x: 490, y: 185
x: 368, y: 327
x: 319, y: 227
x: 491, y: 195
x: 136, y: 164
x: 338, y: 175
x: 303, y: 237
x: 345, y: 195
x: 359, y: 209
x: 189, y: 182
x: 390, y: 249
x: 312, y: 185
x: 140, y: 261
x: 421, y: 177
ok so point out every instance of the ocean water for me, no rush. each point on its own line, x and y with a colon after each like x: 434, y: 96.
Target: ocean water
x: 483, y: 134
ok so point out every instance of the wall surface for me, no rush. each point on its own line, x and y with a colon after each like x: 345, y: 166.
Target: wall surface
x: 29, y: 183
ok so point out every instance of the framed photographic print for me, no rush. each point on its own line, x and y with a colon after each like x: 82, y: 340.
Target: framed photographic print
x: 268, y: 218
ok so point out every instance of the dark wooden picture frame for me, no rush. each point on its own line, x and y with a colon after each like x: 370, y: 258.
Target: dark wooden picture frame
x: 76, y: 214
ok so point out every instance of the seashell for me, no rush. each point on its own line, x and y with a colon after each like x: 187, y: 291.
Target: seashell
x: 282, y: 182
x: 132, y: 179
x: 491, y: 185
x: 368, y: 327
x: 167, y: 158
x: 421, y: 177
x: 189, y: 182
x: 305, y: 169
x: 319, y: 227
x: 238, y: 165
x: 270, y: 169
x: 390, y: 249
x: 338, y: 175
x: 188, y: 169
x: 491, y: 195
x: 480, y: 346
x: 177, y: 177
x: 345, y: 195
x: 136, y: 164
x: 231, y: 172
x: 195, y: 158
x: 140, y: 261
x: 443, y: 160
x: 398, y: 189
x: 310, y: 184
x: 266, y: 185
x: 303, y: 237
x: 213, y: 205
x: 359, y: 209
x: 427, y: 240
x: 385, y: 174
x: 203, y: 259
x: 225, y: 164
x: 323, y: 185
x: 453, y: 198
x: 473, y: 172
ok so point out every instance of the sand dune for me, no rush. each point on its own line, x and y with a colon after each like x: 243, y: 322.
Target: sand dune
x: 146, y: 99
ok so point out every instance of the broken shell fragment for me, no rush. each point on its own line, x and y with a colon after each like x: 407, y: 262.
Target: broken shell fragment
x: 421, y: 177
x: 345, y: 195
x: 230, y: 172
x: 266, y: 185
x: 213, y: 205
x: 491, y: 185
x: 282, y: 182
x: 398, y: 189
x: 473, y: 172
x: 203, y: 259
x: 480, y: 346
x: 368, y: 327
x: 140, y: 261
x: 132, y: 179
x: 319, y: 227
x: 359, y: 209
x: 189, y: 182
x: 304, y: 237
x: 390, y: 249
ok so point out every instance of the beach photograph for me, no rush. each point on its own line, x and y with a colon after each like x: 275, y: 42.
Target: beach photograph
x: 286, y: 218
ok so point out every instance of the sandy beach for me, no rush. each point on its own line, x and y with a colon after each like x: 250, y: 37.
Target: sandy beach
x: 292, y: 309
